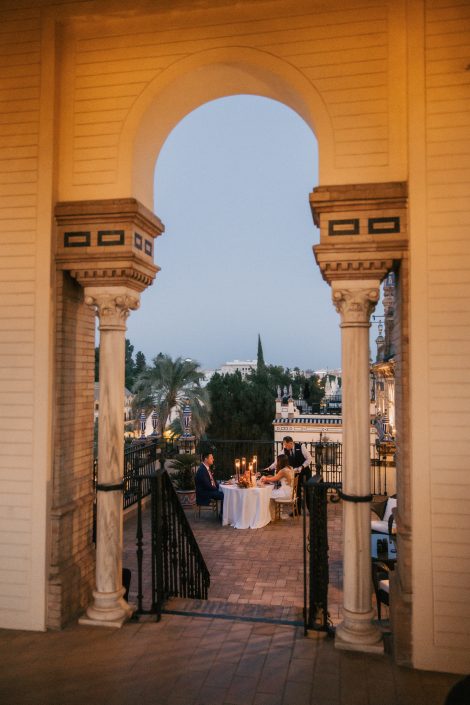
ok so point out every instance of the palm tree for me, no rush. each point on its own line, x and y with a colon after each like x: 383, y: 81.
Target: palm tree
x: 170, y: 384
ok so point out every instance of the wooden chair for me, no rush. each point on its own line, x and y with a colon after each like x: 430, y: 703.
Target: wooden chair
x: 213, y: 507
x: 291, y: 501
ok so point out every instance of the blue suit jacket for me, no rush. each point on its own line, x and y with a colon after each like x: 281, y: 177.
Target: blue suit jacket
x: 204, y: 489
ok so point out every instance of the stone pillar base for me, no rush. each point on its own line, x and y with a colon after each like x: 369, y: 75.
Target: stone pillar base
x: 108, y: 610
x: 343, y: 645
x: 357, y: 633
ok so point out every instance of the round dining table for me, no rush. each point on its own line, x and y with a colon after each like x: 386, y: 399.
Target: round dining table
x: 246, y: 508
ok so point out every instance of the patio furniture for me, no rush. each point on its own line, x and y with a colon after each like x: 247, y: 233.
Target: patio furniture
x: 290, y: 502
x: 384, y: 509
x: 246, y: 508
x: 212, y: 507
x: 381, y: 582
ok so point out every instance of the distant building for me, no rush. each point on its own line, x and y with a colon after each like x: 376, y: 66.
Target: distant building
x: 242, y: 366
x: 383, y: 370
x: 208, y: 374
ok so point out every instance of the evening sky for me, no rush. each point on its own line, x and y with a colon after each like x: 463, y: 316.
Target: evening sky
x: 231, y: 186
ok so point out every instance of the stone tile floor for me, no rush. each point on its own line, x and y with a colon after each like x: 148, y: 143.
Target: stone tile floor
x: 202, y: 661
x: 195, y: 660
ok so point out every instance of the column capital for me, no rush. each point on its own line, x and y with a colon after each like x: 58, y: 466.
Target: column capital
x: 355, y: 300
x: 112, y: 305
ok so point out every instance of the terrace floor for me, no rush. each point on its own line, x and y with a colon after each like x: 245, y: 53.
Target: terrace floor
x: 254, y: 572
x: 221, y: 659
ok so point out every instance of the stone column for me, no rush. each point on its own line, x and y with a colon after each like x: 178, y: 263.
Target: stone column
x: 112, y: 305
x: 355, y: 300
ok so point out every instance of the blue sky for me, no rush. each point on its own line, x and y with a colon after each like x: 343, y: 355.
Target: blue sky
x: 231, y: 185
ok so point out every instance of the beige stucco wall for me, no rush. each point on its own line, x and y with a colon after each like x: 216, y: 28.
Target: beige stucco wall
x: 439, y: 181
x: 26, y: 87
x: 88, y: 101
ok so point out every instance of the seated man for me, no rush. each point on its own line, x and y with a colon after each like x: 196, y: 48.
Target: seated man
x: 206, y: 487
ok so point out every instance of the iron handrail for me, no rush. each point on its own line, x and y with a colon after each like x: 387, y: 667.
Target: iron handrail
x: 178, y: 566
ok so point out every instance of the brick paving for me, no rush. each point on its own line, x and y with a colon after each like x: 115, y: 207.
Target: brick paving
x: 254, y: 572
x: 196, y: 660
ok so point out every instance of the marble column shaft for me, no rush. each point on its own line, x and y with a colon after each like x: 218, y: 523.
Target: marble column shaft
x: 355, y: 300
x: 112, y: 306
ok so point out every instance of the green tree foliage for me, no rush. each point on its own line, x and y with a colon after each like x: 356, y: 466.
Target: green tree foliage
x: 244, y: 409
x: 167, y: 384
x: 129, y: 365
x: 260, y: 358
x: 140, y: 363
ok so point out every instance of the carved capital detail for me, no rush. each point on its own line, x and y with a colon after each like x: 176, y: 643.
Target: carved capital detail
x: 355, y: 302
x: 112, y: 308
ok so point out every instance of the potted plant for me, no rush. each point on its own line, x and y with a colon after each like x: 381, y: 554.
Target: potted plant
x: 183, y: 470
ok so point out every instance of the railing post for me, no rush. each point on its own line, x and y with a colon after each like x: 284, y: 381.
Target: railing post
x: 139, y: 542
x: 157, y: 545
x: 318, y: 618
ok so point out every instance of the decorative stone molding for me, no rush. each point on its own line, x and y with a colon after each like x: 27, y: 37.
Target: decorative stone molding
x: 107, y: 243
x: 354, y: 303
x: 112, y: 306
x: 363, y: 229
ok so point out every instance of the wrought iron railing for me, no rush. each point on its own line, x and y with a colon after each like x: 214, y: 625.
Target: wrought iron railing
x: 382, y: 461
x: 178, y: 566
x: 328, y: 455
x: 140, y: 460
x: 315, y: 538
x: 327, y: 458
x: 227, y: 451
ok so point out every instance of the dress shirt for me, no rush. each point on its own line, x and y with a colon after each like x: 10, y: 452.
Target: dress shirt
x: 307, y: 457
x: 213, y: 483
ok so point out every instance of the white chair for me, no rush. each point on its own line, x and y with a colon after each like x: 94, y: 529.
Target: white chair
x: 291, y: 501
x: 385, y: 522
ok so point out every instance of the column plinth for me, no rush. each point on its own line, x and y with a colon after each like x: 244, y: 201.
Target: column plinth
x: 112, y: 306
x: 355, y: 300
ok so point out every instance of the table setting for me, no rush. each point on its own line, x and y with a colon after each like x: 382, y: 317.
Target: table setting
x: 246, y: 499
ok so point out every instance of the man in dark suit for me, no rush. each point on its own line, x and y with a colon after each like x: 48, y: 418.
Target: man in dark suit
x: 206, y: 487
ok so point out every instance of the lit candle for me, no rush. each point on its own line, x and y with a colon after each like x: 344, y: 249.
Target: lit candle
x: 243, y: 466
x: 237, y: 468
x: 255, y: 463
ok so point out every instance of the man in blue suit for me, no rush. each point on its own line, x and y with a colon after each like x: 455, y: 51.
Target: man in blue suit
x: 206, y: 487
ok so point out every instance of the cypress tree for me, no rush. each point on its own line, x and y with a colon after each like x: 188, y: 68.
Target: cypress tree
x: 260, y: 359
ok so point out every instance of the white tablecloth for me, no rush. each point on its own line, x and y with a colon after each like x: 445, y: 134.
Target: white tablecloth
x: 246, y: 508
